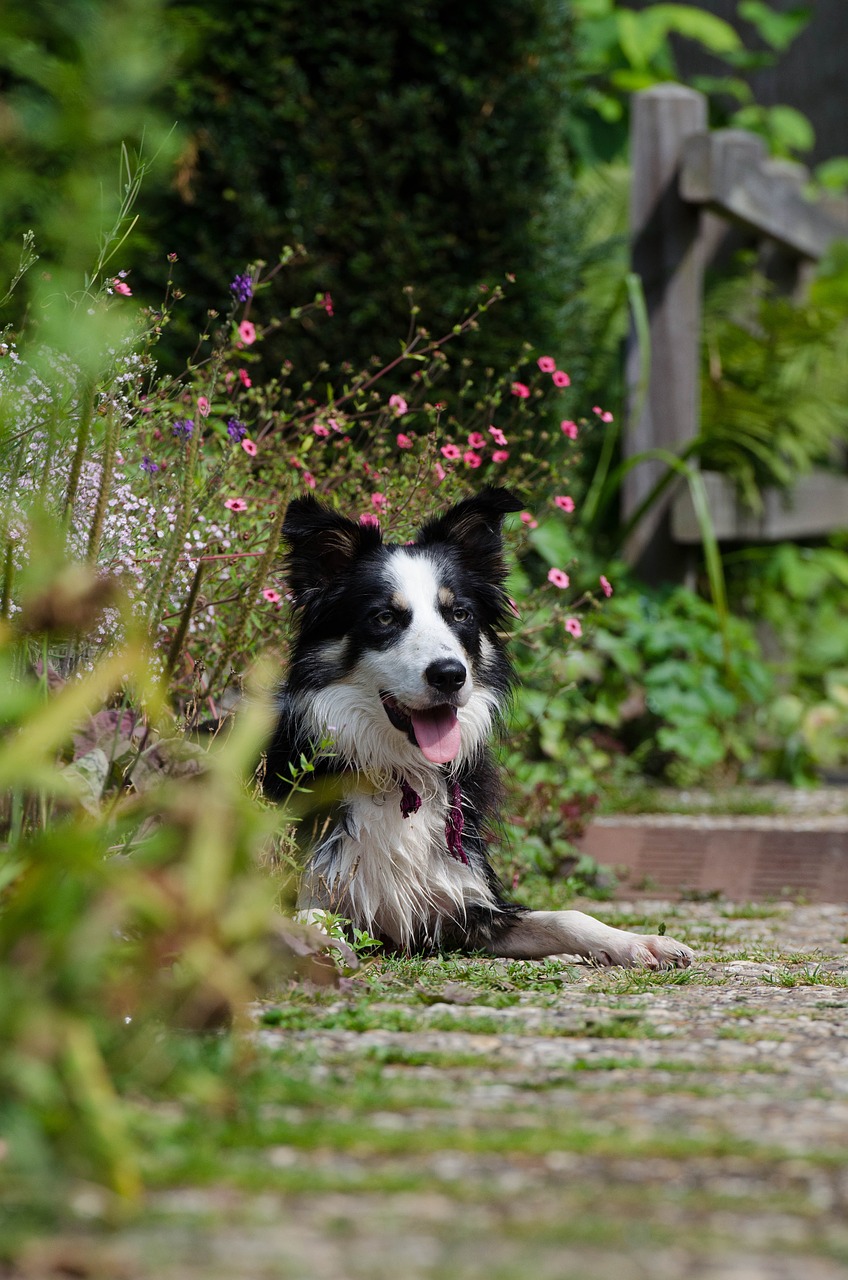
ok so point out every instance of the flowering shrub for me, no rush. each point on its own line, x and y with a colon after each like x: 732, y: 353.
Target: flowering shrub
x: 176, y: 487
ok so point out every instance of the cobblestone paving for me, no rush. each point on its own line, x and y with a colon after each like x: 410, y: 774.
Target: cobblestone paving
x: 600, y: 1125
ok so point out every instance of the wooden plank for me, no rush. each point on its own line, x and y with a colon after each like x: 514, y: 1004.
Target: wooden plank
x: 728, y: 171
x: 816, y: 504
x: 665, y: 256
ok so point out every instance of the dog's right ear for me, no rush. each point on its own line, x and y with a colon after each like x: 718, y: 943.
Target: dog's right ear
x: 323, y: 545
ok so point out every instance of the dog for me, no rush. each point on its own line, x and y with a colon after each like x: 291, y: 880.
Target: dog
x: 398, y: 678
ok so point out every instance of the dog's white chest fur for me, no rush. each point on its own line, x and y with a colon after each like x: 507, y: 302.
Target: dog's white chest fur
x: 393, y: 875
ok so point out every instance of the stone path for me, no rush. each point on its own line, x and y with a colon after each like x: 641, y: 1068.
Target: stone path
x: 506, y: 1120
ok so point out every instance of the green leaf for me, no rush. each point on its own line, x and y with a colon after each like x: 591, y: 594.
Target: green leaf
x: 776, y: 29
x: 685, y: 20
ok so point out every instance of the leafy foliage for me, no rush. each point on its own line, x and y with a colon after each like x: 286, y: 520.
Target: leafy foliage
x: 775, y: 383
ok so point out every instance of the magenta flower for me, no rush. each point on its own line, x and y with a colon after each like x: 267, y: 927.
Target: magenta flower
x: 569, y: 429
x: 521, y: 390
x: 203, y: 406
x: 235, y: 504
x: 309, y: 480
x: 368, y: 518
x: 498, y: 436
x: 451, y: 452
x: 527, y: 519
x: 247, y: 332
x: 603, y: 414
x: 559, y: 579
x: 606, y: 585
x: 249, y: 448
x: 245, y: 378
x: 403, y: 441
x: 328, y: 303
x: 321, y: 430
x: 561, y: 379
x: 500, y: 455
x: 476, y: 440
x: 546, y: 364
x: 564, y: 503
x: 471, y: 459
x: 121, y: 286
x: 440, y: 471
x: 573, y: 627
x: 398, y: 404
x: 378, y: 500
x: 272, y: 596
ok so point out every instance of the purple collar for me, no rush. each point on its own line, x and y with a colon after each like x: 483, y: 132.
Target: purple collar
x: 410, y: 802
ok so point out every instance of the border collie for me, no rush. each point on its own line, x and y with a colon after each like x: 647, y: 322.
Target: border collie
x: 399, y: 664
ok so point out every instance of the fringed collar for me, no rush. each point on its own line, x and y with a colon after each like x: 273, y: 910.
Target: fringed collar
x: 410, y: 802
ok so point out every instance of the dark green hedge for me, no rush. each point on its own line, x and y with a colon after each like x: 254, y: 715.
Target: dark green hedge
x: 403, y: 142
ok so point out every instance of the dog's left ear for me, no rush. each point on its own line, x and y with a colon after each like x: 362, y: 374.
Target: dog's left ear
x: 474, y: 527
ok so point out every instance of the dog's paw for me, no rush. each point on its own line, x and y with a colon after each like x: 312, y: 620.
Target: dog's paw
x: 645, y: 951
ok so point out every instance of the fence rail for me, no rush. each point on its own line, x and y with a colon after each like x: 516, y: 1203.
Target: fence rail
x: 690, y: 185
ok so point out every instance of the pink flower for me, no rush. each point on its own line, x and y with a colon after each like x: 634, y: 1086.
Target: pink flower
x: 606, y: 585
x: 440, y: 471
x: 521, y: 390
x: 573, y: 627
x: 558, y: 578
x: 331, y: 422
x: 120, y: 286
x: 471, y: 459
x: 603, y: 414
x: 203, y: 406
x: 527, y: 519
x: 309, y: 479
x: 247, y: 332
x: 403, y: 441
x: 245, y: 378
x: 498, y: 436
x: 327, y: 303
x: 450, y: 451
x: 546, y: 364
x: 564, y: 503
x: 476, y: 440
x: 320, y: 430
x: 561, y: 379
x: 569, y: 429
x: 235, y: 504
x: 273, y: 597
x: 369, y: 519
x: 398, y: 404
x: 249, y: 447
x: 378, y: 500
x: 500, y: 455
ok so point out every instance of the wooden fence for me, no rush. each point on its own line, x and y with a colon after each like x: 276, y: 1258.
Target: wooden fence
x: 688, y: 182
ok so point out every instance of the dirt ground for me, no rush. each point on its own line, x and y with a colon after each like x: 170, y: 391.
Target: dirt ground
x: 465, y: 1119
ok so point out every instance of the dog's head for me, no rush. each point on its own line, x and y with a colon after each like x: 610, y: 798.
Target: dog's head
x: 398, y: 646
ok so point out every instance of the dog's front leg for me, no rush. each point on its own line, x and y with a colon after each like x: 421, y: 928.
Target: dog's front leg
x: 550, y: 933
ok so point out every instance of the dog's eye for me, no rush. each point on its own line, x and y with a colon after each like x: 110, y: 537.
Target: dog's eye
x: 383, y: 618
x: 461, y: 615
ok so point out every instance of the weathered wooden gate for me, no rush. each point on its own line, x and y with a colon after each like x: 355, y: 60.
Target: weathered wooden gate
x: 688, y: 182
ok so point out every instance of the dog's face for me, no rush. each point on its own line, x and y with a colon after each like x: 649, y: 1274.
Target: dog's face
x: 397, y: 651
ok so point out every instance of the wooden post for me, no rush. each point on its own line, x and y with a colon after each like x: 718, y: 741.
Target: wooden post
x: 666, y: 257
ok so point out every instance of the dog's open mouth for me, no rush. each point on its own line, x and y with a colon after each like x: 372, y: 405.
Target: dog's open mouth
x: 435, y: 730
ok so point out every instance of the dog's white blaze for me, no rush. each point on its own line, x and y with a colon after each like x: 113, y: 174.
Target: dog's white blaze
x: 393, y: 875
x: 427, y: 638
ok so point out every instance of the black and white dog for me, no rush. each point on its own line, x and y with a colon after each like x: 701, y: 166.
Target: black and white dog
x: 399, y: 660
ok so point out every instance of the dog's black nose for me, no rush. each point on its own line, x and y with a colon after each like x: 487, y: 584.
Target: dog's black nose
x: 447, y: 675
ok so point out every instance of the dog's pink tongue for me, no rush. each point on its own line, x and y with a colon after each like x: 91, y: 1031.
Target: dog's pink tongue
x: 437, y: 733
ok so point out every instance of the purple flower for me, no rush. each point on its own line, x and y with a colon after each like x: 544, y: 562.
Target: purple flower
x: 184, y: 429
x: 236, y: 430
x: 148, y: 465
x: 242, y: 288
